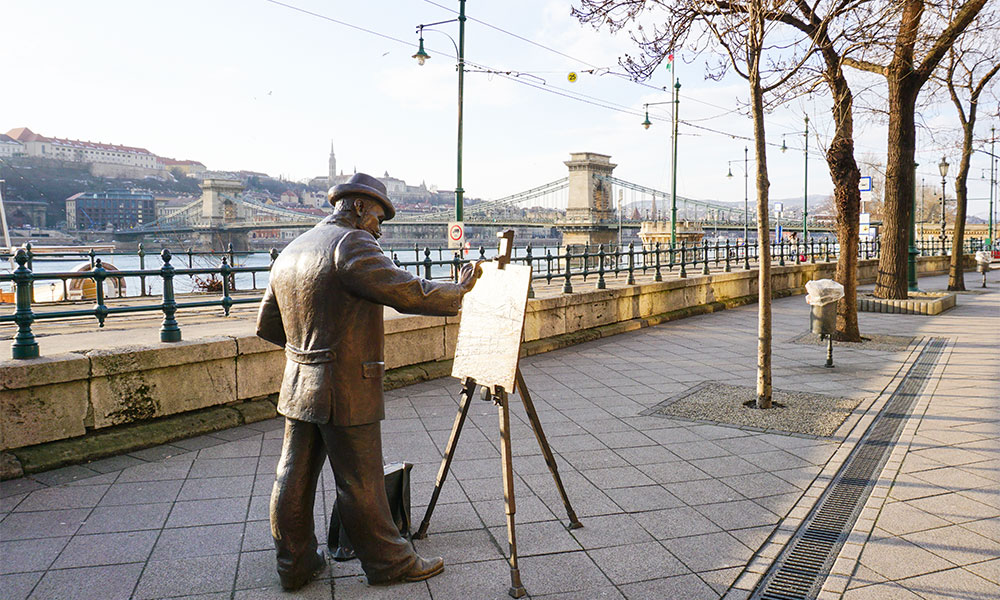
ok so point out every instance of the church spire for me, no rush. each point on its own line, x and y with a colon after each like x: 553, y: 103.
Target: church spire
x: 332, y: 173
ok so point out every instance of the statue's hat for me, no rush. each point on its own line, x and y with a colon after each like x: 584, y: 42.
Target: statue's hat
x: 365, y: 185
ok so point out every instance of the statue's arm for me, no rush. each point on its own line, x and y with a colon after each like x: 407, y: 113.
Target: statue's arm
x: 269, y: 323
x: 366, y: 272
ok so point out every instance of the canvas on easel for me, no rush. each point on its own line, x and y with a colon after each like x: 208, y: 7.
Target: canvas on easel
x: 489, y: 335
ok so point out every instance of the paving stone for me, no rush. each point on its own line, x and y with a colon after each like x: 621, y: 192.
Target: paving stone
x: 109, y: 582
x: 224, y: 467
x: 738, y: 514
x: 460, y: 546
x: 566, y: 572
x: 208, y: 512
x: 881, y: 591
x: 641, y: 562
x: 955, y: 544
x: 488, y: 580
x: 956, y: 508
x: 709, y: 552
x: 673, y: 472
x: 617, y: 477
x: 895, y: 558
x: 48, y: 523
x: 703, y: 491
x: 17, y: 586
x: 64, y: 475
x: 20, y: 556
x: 145, y: 492
x: 158, y: 471
x: 545, y: 537
x: 57, y: 498
x: 217, y: 487
x: 951, y: 584
x: 675, y: 522
x: 644, y: 498
x: 204, y: 574
x: 185, y: 542
x: 106, y: 549
x: 681, y: 587
x: 107, y: 519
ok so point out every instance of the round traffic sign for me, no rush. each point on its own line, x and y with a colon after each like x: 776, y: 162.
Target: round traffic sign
x: 571, y: 77
x: 455, y: 232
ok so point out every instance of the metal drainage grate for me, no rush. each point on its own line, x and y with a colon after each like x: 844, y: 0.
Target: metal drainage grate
x: 799, y: 572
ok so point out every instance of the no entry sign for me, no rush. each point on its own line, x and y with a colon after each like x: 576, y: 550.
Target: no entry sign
x: 456, y: 234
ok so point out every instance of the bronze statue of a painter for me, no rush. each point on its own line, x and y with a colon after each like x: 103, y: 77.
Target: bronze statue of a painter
x: 324, y: 305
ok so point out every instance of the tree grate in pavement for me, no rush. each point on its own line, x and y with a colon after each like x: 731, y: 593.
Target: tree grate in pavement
x: 800, y: 570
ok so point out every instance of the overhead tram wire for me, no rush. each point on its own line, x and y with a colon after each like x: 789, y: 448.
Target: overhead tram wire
x: 510, y: 74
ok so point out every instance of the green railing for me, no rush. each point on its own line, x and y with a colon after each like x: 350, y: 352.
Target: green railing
x: 574, y: 263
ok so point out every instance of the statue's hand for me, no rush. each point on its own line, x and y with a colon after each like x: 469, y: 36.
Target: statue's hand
x: 468, y: 275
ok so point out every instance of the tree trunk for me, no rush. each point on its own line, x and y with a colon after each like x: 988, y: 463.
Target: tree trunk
x: 956, y: 272
x: 899, y: 173
x: 763, y: 233
x: 847, y: 198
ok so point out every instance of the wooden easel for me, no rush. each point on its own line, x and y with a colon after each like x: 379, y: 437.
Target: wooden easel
x: 500, y: 397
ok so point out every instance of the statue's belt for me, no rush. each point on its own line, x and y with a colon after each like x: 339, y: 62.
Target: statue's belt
x: 309, y: 357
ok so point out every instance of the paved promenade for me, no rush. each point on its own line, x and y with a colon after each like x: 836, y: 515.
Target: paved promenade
x: 671, y: 508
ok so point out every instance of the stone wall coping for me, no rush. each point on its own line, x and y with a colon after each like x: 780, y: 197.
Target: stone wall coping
x: 46, y: 370
x: 125, y: 359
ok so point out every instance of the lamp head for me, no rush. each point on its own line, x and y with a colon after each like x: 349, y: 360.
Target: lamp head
x: 421, y: 56
x: 646, y: 123
x: 943, y: 167
x: 730, y: 173
x: 784, y: 148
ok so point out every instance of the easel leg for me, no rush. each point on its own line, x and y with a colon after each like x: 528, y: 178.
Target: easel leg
x: 516, y: 588
x: 550, y: 460
x: 468, y: 389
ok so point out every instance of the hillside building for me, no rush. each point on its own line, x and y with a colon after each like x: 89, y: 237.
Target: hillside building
x: 119, y: 209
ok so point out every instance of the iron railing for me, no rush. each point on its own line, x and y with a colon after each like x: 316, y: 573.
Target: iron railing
x: 581, y: 263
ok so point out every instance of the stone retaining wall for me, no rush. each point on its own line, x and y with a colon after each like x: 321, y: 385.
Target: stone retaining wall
x: 64, y: 396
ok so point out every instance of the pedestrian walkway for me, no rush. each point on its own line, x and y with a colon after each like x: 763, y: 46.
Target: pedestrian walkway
x: 671, y: 508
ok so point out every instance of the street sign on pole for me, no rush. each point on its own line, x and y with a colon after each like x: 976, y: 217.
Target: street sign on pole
x: 456, y: 234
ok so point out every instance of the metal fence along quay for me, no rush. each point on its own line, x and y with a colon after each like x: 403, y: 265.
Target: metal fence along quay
x: 568, y: 266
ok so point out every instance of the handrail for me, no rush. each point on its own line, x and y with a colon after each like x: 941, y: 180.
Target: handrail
x: 572, y: 263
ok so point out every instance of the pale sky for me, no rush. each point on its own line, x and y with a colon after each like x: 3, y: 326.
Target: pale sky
x: 258, y: 86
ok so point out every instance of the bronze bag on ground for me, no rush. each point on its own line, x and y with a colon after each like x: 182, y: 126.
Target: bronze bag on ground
x: 397, y: 490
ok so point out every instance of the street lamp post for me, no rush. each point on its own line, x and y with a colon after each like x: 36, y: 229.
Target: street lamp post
x: 993, y: 162
x: 805, y: 194
x: 421, y: 57
x: 746, y: 203
x: 943, y: 168
x: 673, y: 171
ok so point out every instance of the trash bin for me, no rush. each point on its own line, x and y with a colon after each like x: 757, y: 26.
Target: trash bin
x: 822, y: 296
x: 823, y: 318
x: 983, y: 260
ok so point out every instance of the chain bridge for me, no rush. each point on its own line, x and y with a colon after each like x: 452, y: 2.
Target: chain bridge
x: 589, y: 206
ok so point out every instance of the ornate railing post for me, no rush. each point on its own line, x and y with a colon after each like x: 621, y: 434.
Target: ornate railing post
x: 527, y: 259
x: 657, y: 276
x: 169, y: 330
x: 142, y: 267
x: 24, y: 345
x: 232, y: 263
x: 746, y: 254
x: 781, y: 253
x: 683, y: 272
x: 190, y: 254
x: 567, y: 286
x: 226, y: 271
x: 631, y: 264
x: 812, y: 252
x: 586, y: 261
x: 396, y: 261
x: 727, y: 256
x: 99, y: 273
x: 427, y: 263
x: 548, y: 266
x: 704, y: 257
x: 600, y: 267
x: 92, y: 257
x: 670, y: 258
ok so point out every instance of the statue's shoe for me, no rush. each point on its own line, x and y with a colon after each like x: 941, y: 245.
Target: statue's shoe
x: 420, y: 570
x: 293, y: 581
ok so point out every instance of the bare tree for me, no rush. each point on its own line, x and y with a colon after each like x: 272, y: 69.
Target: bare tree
x: 972, y: 62
x: 906, y: 60
x: 740, y: 38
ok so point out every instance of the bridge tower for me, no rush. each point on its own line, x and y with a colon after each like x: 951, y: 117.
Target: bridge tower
x: 590, y: 218
x: 215, y: 207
